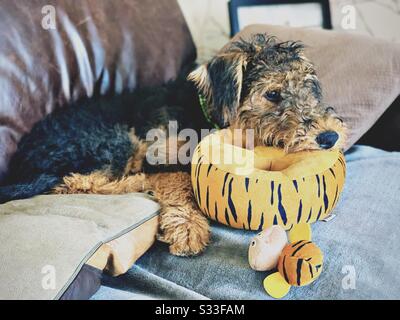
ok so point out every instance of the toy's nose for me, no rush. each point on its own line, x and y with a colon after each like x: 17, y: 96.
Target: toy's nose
x: 327, y: 139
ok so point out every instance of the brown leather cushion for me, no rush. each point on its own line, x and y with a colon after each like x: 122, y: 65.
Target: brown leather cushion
x: 360, y: 75
x: 98, y: 46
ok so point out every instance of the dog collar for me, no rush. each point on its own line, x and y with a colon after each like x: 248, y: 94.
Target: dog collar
x: 203, y: 105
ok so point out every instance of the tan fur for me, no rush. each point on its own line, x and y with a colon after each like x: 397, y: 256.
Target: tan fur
x: 181, y: 222
x: 101, y: 183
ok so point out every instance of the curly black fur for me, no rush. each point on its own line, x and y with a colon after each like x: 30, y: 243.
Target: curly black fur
x: 93, y: 134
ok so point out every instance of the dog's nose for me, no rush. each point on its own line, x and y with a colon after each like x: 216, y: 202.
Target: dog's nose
x: 327, y: 139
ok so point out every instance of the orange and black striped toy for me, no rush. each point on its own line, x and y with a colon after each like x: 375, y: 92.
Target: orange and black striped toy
x: 299, y: 264
x: 255, y: 189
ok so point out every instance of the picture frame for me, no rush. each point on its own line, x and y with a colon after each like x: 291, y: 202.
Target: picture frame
x: 314, y: 13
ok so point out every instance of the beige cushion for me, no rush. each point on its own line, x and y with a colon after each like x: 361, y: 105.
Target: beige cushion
x: 57, y: 234
x: 360, y: 75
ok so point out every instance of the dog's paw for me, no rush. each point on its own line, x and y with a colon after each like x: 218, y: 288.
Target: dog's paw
x: 187, y: 233
x: 79, y: 183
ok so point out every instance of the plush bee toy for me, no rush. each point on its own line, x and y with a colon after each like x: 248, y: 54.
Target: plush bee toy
x: 298, y: 263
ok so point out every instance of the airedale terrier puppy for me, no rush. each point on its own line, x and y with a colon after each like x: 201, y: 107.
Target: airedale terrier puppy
x: 99, y: 145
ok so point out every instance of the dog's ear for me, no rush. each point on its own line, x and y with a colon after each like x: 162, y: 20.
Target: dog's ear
x: 220, y: 82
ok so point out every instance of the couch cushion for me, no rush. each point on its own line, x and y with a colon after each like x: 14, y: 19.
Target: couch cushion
x: 58, y: 245
x: 360, y: 75
x: 97, y: 47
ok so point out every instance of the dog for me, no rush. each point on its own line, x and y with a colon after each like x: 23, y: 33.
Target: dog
x: 99, y: 145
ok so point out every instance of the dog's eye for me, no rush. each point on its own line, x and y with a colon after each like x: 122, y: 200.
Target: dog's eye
x: 273, y: 96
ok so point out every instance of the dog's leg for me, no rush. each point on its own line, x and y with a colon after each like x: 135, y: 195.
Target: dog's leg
x: 182, y: 225
x: 100, y: 183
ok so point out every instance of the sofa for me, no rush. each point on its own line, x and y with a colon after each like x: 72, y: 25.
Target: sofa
x: 104, y: 48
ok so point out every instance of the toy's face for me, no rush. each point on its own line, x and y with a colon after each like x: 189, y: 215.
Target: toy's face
x: 266, y: 247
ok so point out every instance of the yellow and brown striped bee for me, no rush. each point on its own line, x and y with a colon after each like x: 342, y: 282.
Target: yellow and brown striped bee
x: 300, y: 263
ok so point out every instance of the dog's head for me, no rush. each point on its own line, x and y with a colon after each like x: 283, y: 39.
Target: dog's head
x: 269, y: 86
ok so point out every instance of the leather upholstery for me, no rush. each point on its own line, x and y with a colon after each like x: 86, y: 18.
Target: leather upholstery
x: 97, y: 47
